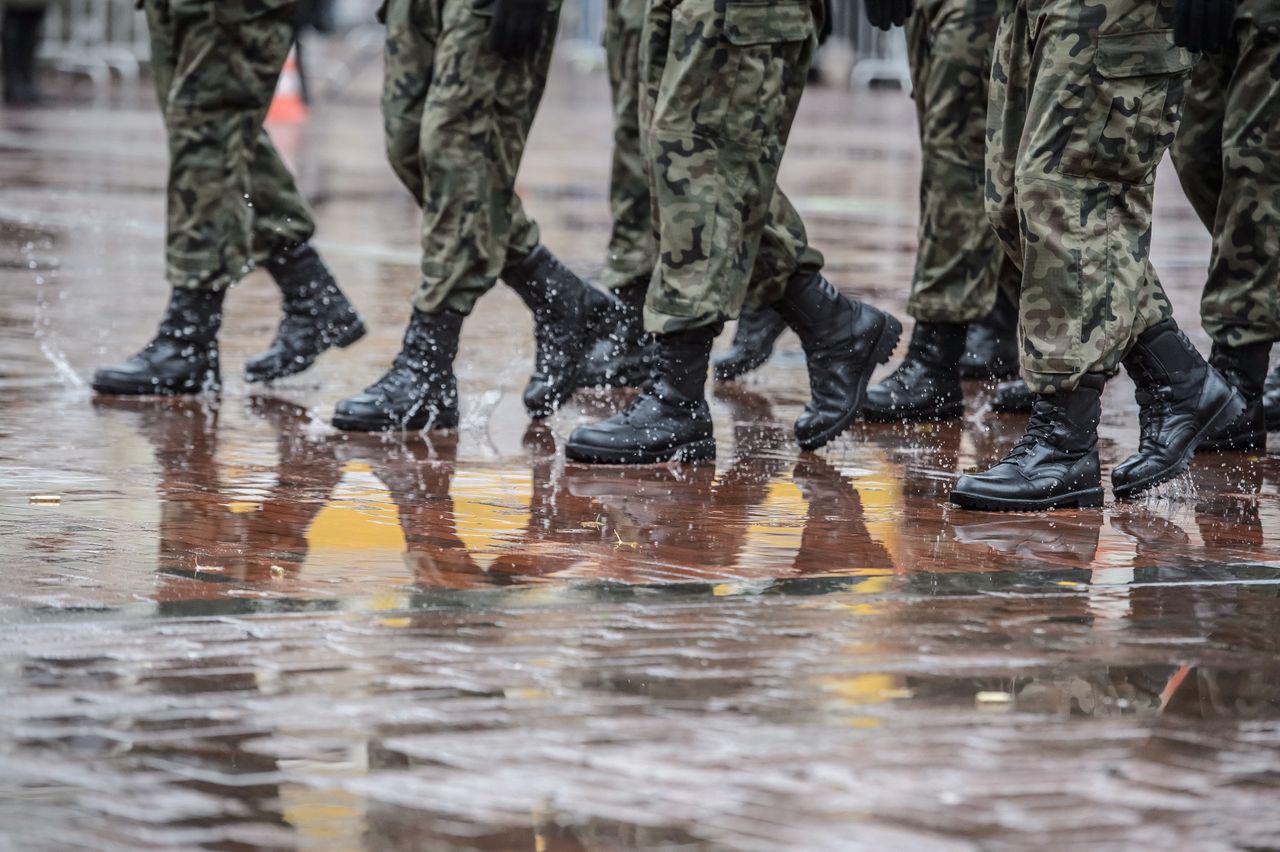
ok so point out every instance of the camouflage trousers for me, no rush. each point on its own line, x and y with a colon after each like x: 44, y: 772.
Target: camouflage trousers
x: 721, y: 82
x: 959, y: 262
x: 456, y: 116
x: 231, y: 201
x: 1228, y: 159
x: 1085, y: 98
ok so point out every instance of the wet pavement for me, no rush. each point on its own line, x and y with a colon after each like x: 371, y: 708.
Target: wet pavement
x: 224, y: 625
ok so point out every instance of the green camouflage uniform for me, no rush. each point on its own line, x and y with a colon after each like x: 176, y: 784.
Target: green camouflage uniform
x: 456, y: 117
x: 959, y: 262
x: 721, y: 81
x: 232, y: 203
x: 1228, y: 159
x: 1085, y: 98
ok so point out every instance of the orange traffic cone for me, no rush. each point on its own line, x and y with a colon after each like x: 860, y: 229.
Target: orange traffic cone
x: 288, y: 106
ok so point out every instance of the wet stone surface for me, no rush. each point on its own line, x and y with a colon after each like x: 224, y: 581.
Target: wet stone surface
x: 224, y: 625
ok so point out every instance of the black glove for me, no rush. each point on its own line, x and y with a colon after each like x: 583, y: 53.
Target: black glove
x: 517, y: 27
x: 888, y: 13
x: 1203, y: 25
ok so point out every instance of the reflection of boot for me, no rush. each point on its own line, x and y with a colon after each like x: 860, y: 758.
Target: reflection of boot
x: 1035, y: 541
x: 1157, y: 540
x: 307, y: 473
x: 835, y: 534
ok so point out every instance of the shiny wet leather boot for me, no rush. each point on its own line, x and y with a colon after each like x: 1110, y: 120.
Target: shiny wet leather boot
x: 1245, y: 369
x: 669, y: 421
x: 844, y: 340
x: 183, y: 356
x: 752, y: 343
x: 1271, y: 400
x: 420, y: 390
x: 317, y: 317
x: 991, y: 350
x: 621, y: 355
x: 1181, y: 399
x: 562, y: 304
x: 1054, y: 465
x: 926, y: 385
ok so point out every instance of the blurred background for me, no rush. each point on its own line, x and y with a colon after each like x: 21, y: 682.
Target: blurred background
x: 94, y: 46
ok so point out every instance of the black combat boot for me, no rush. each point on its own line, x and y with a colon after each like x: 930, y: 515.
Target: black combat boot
x: 1271, y: 400
x: 183, y: 356
x: 991, y: 351
x: 843, y: 342
x: 317, y: 316
x: 419, y: 390
x: 621, y: 355
x: 668, y: 421
x: 562, y: 304
x: 926, y: 385
x: 1181, y: 399
x: 1245, y: 369
x: 1055, y: 464
x: 1013, y: 398
x: 752, y: 343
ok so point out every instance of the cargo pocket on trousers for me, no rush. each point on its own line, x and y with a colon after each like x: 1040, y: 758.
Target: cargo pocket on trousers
x: 768, y: 42
x: 1138, y: 81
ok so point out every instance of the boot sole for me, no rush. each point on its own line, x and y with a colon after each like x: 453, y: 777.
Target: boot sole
x: 446, y: 420
x: 949, y: 412
x: 696, y: 451
x: 352, y: 334
x: 1223, y: 417
x: 881, y: 352
x: 124, y: 388
x: 1087, y: 498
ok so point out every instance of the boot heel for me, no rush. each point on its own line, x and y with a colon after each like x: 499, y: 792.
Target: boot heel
x: 352, y: 334
x: 888, y: 340
x: 698, y: 451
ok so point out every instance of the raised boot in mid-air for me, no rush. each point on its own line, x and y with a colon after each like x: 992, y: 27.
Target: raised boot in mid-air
x: 620, y: 356
x: 752, y: 343
x: 1054, y: 464
x: 991, y: 349
x: 317, y: 317
x: 926, y: 385
x: 844, y: 340
x: 668, y: 421
x: 1245, y: 368
x: 1181, y: 399
x: 562, y: 305
x: 419, y: 390
x: 183, y: 356
x: 1013, y: 397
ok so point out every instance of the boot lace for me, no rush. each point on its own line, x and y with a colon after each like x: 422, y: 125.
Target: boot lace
x: 1039, y: 427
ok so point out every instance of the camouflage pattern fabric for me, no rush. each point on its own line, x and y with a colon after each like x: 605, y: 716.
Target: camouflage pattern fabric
x: 721, y: 83
x: 1085, y: 99
x: 959, y: 262
x: 456, y: 116
x: 231, y: 201
x: 1228, y: 159
x: 631, y: 244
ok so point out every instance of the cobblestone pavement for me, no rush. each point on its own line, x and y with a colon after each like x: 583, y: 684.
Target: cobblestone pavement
x: 223, y: 625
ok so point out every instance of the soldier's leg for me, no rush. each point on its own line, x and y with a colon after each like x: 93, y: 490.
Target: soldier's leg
x: 1241, y: 302
x: 619, y: 355
x: 959, y: 258
x: 1104, y: 100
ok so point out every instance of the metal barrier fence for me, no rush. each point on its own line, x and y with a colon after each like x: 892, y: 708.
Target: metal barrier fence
x: 105, y: 38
